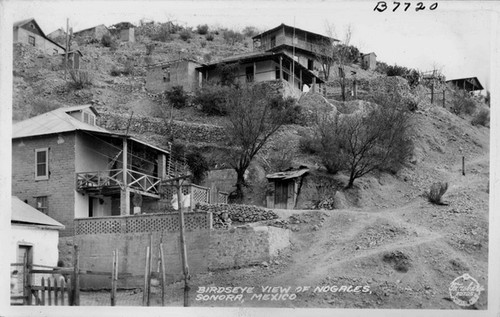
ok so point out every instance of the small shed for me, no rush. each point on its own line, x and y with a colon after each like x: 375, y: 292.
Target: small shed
x: 34, y: 236
x: 285, y: 188
x: 369, y: 61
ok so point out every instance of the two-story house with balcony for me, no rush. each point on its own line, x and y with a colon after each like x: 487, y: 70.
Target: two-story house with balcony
x: 300, y: 44
x: 67, y: 167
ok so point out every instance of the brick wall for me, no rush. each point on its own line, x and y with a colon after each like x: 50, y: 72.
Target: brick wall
x: 59, y: 188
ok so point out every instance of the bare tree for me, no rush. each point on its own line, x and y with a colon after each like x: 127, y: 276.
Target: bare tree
x: 365, y: 141
x: 335, y: 54
x: 254, y: 115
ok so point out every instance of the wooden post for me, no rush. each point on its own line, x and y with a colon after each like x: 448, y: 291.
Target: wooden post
x: 281, y: 67
x: 114, y: 273
x: 69, y: 290
x: 50, y: 291
x: 163, y: 279
x: 62, y: 291
x: 254, y: 71
x: 432, y: 93
x: 66, y: 49
x: 76, y: 277
x: 146, y: 278
x: 183, y: 246
x: 300, y: 79
x: 463, y: 165
x: 43, y: 291
x: 125, y: 192
x: 26, y: 286
x: 55, y: 292
x: 150, y: 260
x: 314, y: 84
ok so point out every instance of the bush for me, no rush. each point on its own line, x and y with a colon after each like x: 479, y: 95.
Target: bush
x: 106, y: 40
x: 203, y: 43
x: 115, y: 71
x: 185, y: 35
x: 232, y: 37
x: 250, y: 31
x: 212, y: 100
x: 202, y: 29
x: 198, y: 166
x: 400, y: 261
x: 79, y: 79
x: 482, y: 118
x: 436, y: 192
x: 463, y: 103
x: 150, y: 48
x: 177, y: 97
x: 209, y: 37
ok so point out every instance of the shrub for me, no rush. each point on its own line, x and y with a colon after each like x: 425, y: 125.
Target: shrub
x: 436, y: 192
x: 79, y: 79
x: 463, y: 103
x: 232, y: 37
x: 212, y: 100
x: 115, y: 71
x: 250, y: 31
x: 128, y: 69
x: 198, y: 166
x: 177, y: 97
x: 185, y: 35
x: 209, y: 37
x: 150, y: 48
x: 106, y: 40
x: 203, y: 43
x: 482, y: 118
x: 400, y: 261
x: 202, y: 29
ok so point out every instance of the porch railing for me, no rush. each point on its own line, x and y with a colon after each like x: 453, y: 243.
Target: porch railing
x: 108, y: 178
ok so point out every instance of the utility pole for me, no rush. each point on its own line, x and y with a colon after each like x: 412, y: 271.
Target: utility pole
x: 66, y: 48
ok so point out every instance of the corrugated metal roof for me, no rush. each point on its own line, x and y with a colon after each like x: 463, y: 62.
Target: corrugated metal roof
x: 24, y: 213
x: 59, y: 121
x: 288, y: 174
x: 55, y: 121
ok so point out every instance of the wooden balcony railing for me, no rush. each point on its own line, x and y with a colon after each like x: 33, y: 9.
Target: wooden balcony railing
x: 114, y: 178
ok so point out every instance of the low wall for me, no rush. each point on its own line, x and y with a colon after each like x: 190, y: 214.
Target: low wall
x: 245, y: 246
x: 206, y: 249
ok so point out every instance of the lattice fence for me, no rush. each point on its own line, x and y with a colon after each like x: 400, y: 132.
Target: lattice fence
x: 142, y: 223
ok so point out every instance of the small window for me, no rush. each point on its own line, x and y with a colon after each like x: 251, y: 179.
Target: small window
x: 31, y: 40
x: 249, y: 73
x: 42, y: 164
x: 310, y: 64
x: 88, y: 118
x: 42, y: 204
x: 273, y: 41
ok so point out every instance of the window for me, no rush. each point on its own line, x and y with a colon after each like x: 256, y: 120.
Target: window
x: 42, y: 204
x: 88, y: 118
x: 310, y: 64
x: 273, y: 41
x: 42, y: 164
x: 31, y: 40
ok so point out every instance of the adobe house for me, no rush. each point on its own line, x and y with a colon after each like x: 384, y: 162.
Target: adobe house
x: 95, y: 32
x: 29, y: 32
x: 369, y: 61
x: 302, y: 44
x: 286, y: 188
x: 182, y: 72
x: 70, y: 168
x: 124, y: 30
x: 264, y: 67
x: 34, y: 237
x: 468, y: 84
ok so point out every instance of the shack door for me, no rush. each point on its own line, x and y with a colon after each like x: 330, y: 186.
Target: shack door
x: 280, y: 194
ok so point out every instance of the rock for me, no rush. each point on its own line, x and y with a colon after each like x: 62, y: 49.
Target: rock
x: 265, y: 264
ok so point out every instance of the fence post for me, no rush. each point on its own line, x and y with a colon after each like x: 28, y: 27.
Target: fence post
x: 55, y: 292
x: 49, y: 288
x: 76, y: 277
x: 62, y: 291
x: 145, y: 294
x: 163, y: 279
x: 26, y: 280
x: 43, y: 291
x: 113, y: 277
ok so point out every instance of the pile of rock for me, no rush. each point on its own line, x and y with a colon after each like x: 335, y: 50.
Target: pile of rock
x: 238, y: 213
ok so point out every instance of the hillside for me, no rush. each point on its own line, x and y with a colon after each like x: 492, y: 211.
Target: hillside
x: 385, y: 233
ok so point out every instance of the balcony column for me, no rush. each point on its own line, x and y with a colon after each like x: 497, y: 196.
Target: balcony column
x: 281, y: 67
x: 314, y: 84
x: 300, y: 79
x: 125, y: 192
x: 162, y: 166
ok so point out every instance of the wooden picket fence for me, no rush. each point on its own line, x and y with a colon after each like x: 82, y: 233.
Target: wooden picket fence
x: 52, y: 294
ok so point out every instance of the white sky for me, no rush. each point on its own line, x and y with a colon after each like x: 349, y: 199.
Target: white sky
x: 455, y: 37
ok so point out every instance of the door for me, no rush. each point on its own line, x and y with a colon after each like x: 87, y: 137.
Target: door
x: 24, y: 253
x: 280, y: 194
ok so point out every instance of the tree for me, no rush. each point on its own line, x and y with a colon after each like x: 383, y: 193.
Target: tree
x: 375, y: 139
x: 334, y: 54
x: 255, y: 113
